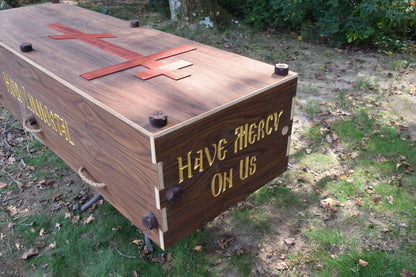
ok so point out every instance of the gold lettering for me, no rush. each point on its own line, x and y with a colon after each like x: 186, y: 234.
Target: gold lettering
x: 58, y: 118
x: 18, y: 94
x: 277, y: 120
x: 269, y: 130
x: 247, y: 167
x: 221, y: 153
x: 221, y: 180
x: 69, y: 136
x: 46, y: 114
x: 260, y: 131
x: 37, y: 107
x: 210, y: 161
x: 182, y: 167
x: 215, y: 193
x: 31, y: 106
x: 63, y: 130
x: 229, y: 179
x: 253, y: 165
x: 244, y: 168
x: 24, y: 93
x: 6, y: 81
x: 251, y: 138
x: 241, y: 140
x: 199, y: 162
x: 51, y: 120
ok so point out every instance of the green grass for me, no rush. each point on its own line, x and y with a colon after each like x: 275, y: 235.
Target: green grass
x: 380, y: 263
x: 366, y: 157
x: 379, y: 146
x: 255, y: 220
x: 279, y: 196
x: 91, y: 249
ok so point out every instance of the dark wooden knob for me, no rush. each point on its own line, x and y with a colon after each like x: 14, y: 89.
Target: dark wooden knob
x: 149, y: 221
x: 31, y: 119
x: 158, y: 119
x: 281, y: 69
x: 26, y: 47
x: 174, y: 194
x: 134, y: 23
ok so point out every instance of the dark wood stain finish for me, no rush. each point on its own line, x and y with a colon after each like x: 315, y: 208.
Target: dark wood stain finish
x: 107, y: 117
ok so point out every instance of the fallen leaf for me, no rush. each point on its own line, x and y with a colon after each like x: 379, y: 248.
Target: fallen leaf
x: 51, y: 246
x: 68, y: 215
x: 116, y: 228
x: 369, y: 190
x: 402, y: 158
x: 381, y: 158
x: 290, y: 241
x: 75, y: 219
x: 390, y: 199
x: 29, y: 253
x: 89, y: 219
x: 359, y: 202
x: 330, y: 202
x: 3, y: 185
x: 18, y: 246
x: 12, y: 210
x: 281, y: 266
x: 405, y: 272
x: 308, y: 150
x: 385, y: 230
x: 169, y: 257
x: 42, y: 232
x: 137, y: 242
x: 46, y: 183
x: 329, y: 139
x: 409, y: 169
x: 197, y: 248
x: 58, y: 226
x: 376, y: 198
x: 350, y: 180
x: 363, y: 263
x: 57, y: 197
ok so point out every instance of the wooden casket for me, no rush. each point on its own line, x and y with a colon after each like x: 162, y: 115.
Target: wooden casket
x: 171, y: 132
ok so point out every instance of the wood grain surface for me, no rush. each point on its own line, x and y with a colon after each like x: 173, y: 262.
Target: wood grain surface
x: 92, y: 81
x: 112, y: 151
x: 199, y: 205
x: 217, y: 77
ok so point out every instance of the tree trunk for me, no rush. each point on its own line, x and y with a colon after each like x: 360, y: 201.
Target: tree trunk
x: 199, y: 12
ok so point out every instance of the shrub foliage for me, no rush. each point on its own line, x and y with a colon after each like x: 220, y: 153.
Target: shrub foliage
x: 385, y: 23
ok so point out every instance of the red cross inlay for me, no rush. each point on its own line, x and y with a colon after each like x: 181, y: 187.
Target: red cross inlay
x: 155, y: 68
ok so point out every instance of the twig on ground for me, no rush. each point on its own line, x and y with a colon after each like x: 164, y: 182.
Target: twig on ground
x: 8, y: 199
x: 121, y: 254
x: 15, y: 181
x: 4, y: 135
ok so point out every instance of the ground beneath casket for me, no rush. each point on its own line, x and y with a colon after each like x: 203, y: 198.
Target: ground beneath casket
x: 342, y: 193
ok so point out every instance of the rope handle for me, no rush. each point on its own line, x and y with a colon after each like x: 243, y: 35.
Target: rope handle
x: 88, y: 180
x: 28, y: 128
